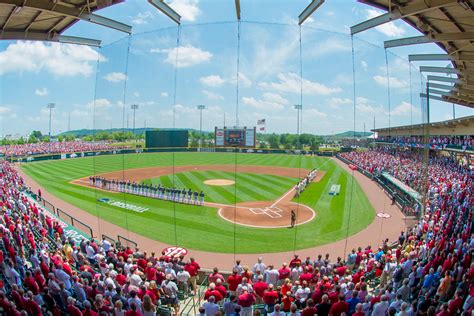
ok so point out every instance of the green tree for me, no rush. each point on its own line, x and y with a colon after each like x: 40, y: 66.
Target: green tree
x: 32, y: 139
x: 37, y: 134
x: 274, y: 141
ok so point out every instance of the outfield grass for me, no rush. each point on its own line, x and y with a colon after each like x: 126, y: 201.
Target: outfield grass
x: 201, y: 227
x: 249, y: 186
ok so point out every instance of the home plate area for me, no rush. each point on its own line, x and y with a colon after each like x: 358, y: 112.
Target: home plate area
x: 266, y: 214
x: 272, y: 211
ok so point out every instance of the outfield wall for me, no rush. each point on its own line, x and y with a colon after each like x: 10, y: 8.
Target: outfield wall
x: 167, y: 150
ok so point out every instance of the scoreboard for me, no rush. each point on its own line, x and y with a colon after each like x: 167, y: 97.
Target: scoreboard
x: 235, y: 136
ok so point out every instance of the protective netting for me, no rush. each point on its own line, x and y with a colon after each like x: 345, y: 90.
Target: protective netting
x: 301, y: 82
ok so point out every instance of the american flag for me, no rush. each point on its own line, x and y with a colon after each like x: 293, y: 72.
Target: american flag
x: 261, y: 122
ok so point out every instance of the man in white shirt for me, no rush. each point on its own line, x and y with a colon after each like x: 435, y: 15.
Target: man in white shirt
x: 183, y: 277
x: 271, y: 275
x: 259, y: 266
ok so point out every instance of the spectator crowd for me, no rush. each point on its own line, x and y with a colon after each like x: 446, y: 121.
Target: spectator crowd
x: 438, y: 142
x: 428, y: 271
x: 43, y: 148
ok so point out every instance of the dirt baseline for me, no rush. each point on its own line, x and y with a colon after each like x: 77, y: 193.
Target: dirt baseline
x: 262, y: 214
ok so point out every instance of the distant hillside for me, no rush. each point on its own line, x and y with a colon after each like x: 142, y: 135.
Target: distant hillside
x: 350, y: 134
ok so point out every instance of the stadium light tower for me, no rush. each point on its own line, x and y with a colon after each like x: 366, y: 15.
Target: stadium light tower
x: 200, y: 107
x: 50, y: 106
x: 298, y: 108
x: 134, y: 107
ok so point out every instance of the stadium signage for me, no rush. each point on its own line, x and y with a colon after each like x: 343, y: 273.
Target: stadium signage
x: 69, y: 230
x: 175, y: 252
x: 127, y: 206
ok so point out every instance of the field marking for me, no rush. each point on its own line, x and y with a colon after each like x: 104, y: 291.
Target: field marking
x: 271, y: 227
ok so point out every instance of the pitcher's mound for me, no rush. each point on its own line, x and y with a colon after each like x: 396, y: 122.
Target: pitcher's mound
x: 219, y: 182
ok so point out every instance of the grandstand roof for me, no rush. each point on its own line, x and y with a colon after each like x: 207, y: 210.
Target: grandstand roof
x: 449, y: 124
x: 46, y: 20
x: 448, y: 23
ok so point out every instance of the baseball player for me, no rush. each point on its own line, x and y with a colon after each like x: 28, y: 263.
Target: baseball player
x: 195, y: 197
x: 201, y: 198
x: 293, y: 218
x: 190, y: 193
x: 183, y: 193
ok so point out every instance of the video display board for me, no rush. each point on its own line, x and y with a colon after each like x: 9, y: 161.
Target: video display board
x: 235, y: 137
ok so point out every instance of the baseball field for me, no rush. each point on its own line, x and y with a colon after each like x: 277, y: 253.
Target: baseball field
x: 248, y: 197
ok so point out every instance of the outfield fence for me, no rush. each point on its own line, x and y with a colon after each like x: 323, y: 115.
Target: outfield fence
x: 75, y: 155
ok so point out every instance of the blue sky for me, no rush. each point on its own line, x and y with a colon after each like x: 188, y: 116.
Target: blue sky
x: 33, y: 74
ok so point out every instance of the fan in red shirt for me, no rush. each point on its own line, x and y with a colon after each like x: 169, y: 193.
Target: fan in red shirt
x: 192, y: 267
x: 234, y: 280
x: 260, y: 286
x: 306, y: 276
x: 310, y: 309
x: 340, y: 307
x: 295, y: 261
x: 270, y: 296
x: 284, y: 272
x: 211, y: 291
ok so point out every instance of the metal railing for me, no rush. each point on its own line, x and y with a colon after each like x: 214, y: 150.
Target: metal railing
x: 124, y: 241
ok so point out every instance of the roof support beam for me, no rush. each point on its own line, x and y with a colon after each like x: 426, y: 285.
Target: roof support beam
x: 441, y: 86
x: 8, y: 18
x: 442, y: 93
x: 40, y: 36
x: 443, y: 37
x: 399, y: 13
x: 442, y: 79
x: 428, y: 57
x: 313, y: 6
x: 445, y: 70
x: 237, y: 9
x: 166, y: 10
x: 58, y: 8
x: 433, y: 97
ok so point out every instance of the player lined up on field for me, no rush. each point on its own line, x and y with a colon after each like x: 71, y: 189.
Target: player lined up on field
x: 179, y: 195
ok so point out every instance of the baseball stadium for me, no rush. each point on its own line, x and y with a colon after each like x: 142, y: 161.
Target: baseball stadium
x: 202, y: 157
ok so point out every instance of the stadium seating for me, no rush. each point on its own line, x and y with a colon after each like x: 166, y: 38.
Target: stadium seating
x: 428, y: 271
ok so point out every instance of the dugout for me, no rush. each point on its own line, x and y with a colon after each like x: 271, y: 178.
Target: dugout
x: 166, y: 138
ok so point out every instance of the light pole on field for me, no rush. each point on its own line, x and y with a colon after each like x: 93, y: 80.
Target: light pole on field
x: 134, y: 107
x: 298, y: 108
x: 50, y: 106
x: 200, y: 107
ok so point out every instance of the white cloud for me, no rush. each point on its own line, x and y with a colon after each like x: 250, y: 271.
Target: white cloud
x: 212, y: 96
x: 57, y: 59
x: 212, y: 81
x: 244, y: 80
x: 4, y: 110
x: 275, y: 98
x: 394, y: 82
x: 269, y: 101
x: 115, y: 77
x: 388, y: 29
x: 188, y: 9
x: 329, y: 46
x: 364, y: 65
x: 365, y: 105
x: 404, y: 109
x: 41, y: 92
x: 136, y: 94
x: 187, y: 55
x: 335, y: 103
x: 290, y: 82
x: 99, y: 104
x: 313, y: 113
x: 142, y: 18
x: 164, y: 94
